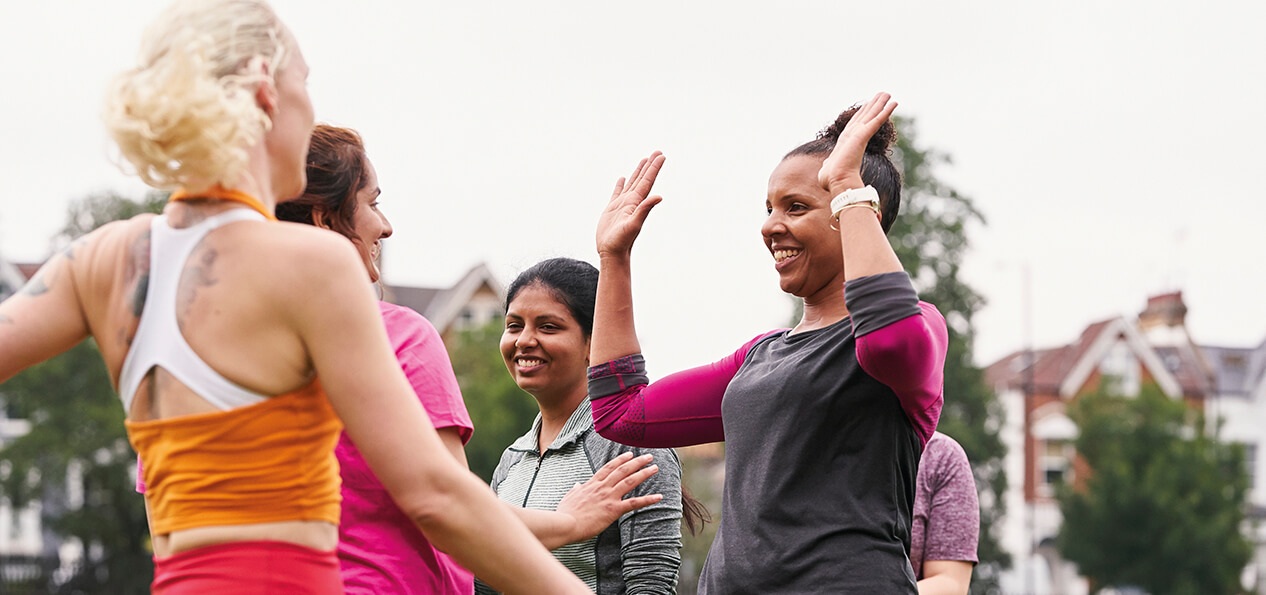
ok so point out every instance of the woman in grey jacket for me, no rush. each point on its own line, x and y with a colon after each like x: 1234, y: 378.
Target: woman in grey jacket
x: 549, y: 318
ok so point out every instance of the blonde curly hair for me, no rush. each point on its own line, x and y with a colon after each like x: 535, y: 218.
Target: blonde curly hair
x: 187, y: 113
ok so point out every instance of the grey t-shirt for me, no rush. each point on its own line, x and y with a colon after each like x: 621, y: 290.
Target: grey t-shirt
x: 820, y: 465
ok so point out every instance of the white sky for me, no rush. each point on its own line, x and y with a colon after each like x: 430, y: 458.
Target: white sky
x: 1116, y: 148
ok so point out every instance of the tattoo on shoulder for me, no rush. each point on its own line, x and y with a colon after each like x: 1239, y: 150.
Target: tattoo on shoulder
x: 69, y: 251
x: 5, y: 319
x: 138, y: 271
x: 38, y: 285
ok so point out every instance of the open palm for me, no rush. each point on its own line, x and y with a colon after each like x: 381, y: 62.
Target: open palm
x: 843, y: 168
x: 622, y: 220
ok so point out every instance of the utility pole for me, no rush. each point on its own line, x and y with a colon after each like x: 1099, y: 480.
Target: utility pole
x: 1030, y: 505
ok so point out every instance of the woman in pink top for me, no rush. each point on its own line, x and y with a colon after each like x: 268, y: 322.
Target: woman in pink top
x: 380, y: 550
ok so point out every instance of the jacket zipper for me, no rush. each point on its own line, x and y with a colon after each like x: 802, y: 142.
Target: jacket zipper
x: 527, y: 494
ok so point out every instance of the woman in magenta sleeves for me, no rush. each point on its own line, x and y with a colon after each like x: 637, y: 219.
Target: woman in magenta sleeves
x: 380, y: 551
x: 824, y: 423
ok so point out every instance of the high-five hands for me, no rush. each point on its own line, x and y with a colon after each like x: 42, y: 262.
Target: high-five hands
x: 622, y: 220
x: 842, y: 170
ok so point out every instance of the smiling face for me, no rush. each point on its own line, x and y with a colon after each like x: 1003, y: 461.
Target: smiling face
x: 369, y: 224
x: 807, y: 251
x: 543, y: 345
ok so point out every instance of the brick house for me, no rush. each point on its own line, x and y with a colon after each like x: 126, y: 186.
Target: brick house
x: 1035, y: 387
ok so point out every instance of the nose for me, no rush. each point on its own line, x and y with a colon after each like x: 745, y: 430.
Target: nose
x: 526, y: 338
x: 773, y: 225
x: 386, y: 227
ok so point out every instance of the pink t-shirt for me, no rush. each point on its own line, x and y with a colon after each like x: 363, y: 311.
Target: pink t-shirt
x: 380, y: 549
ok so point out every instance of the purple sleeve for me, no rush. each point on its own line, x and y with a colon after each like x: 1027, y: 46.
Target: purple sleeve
x: 425, y: 363
x: 902, y: 343
x: 678, y: 410
x: 953, y: 514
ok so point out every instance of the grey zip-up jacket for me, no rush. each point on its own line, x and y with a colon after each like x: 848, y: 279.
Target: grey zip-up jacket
x: 639, y: 553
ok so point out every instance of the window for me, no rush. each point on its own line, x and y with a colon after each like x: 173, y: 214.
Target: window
x: 1120, y: 370
x: 1054, y: 465
x: 1250, y: 465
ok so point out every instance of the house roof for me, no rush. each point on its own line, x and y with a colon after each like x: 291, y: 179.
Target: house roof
x: 1064, y: 370
x: 442, y: 305
x: 1238, y: 371
x: 12, y: 277
x: 1051, y: 366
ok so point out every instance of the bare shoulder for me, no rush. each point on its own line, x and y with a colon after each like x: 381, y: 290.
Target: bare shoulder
x: 299, y: 260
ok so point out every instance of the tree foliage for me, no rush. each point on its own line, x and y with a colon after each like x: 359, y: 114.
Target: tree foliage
x: 930, y: 238
x: 1164, y: 502
x: 76, y: 422
x: 500, y: 411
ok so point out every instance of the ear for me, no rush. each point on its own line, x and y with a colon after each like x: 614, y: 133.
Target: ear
x: 266, y: 93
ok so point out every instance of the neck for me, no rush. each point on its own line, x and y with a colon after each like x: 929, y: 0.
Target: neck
x: 556, y: 410
x: 824, y: 308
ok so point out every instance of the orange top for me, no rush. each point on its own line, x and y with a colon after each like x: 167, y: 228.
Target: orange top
x: 269, y: 462
x: 222, y: 193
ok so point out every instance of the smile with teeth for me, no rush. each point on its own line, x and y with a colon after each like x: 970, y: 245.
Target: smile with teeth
x: 781, y: 255
x: 529, y: 362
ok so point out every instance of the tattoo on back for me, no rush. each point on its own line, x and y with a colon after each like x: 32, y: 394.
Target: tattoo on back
x: 5, y: 319
x: 196, y: 275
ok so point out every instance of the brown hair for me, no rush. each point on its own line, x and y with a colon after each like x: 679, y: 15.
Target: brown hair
x: 878, y: 171
x: 336, y: 172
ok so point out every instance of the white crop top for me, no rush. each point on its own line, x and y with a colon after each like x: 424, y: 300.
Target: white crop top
x: 158, y: 340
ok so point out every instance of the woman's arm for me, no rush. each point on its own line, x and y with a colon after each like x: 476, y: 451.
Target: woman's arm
x: 45, y: 317
x: 866, y: 248
x: 333, y: 311
x: 650, y: 538
x: 953, y: 519
x: 678, y: 410
x: 900, y: 341
x: 590, y: 507
x: 945, y: 577
x: 614, y: 335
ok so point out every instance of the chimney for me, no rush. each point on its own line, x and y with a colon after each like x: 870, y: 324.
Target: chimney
x: 1165, y: 310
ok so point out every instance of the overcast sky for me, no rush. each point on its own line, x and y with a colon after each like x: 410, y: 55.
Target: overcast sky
x: 1116, y: 148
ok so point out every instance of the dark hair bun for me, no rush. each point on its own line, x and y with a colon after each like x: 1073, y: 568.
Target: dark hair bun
x: 879, y: 143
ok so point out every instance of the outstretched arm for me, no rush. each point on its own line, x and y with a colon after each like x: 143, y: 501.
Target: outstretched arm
x: 44, y: 318
x: 592, y: 506
x: 335, y: 314
x: 614, y: 335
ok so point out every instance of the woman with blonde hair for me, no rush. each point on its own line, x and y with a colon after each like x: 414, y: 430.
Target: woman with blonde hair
x: 240, y: 346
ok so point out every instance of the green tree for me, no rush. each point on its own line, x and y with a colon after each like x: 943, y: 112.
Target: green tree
x: 930, y: 238
x: 77, y: 423
x: 500, y: 411
x: 1164, y: 502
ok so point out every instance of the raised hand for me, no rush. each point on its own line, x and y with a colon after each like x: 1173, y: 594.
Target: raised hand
x: 842, y: 170
x: 622, y: 220
x: 598, y: 502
